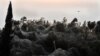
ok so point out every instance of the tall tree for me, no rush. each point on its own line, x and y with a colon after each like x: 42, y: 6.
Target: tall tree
x: 5, y: 47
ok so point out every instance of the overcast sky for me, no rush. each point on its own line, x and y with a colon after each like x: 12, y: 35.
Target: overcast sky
x: 52, y: 9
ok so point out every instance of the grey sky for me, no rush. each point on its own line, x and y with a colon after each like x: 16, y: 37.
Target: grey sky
x: 52, y: 9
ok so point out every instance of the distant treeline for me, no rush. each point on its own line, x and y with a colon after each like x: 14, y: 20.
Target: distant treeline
x: 41, y: 38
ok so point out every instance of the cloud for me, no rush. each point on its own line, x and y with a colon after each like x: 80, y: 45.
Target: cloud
x: 52, y: 9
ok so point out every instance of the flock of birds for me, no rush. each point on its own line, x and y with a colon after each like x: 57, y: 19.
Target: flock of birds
x: 41, y: 38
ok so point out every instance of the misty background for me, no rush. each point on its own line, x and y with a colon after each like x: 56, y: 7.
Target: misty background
x: 52, y: 9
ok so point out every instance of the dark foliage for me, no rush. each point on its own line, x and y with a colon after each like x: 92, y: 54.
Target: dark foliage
x: 97, y: 29
x: 5, y: 45
x: 40, y: 38
x: 91, y: 25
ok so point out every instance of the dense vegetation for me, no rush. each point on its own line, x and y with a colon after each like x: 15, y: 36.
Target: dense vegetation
x: 41, y: 38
